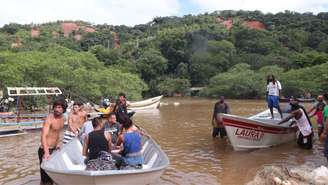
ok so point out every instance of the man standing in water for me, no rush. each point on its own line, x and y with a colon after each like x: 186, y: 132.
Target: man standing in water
x: 303, y: 123
x: 273, y: 94
x: 53, y: 125
x: 219, y: 107
x: 76, y: 120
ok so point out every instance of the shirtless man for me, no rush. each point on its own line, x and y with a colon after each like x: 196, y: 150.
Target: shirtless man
x: 76, y: 120
x: 51, y: 129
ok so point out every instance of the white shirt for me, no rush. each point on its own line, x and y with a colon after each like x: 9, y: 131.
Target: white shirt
x: 87, y: 127
x: 304, y: 125
x: 273, y: 89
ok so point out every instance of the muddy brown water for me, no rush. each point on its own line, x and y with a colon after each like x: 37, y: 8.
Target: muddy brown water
x: 184, y: 133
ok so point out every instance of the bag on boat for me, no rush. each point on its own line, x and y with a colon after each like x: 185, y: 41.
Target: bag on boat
x: 103, y: 162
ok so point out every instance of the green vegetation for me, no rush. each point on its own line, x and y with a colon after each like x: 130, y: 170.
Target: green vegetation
x: 228, y: 52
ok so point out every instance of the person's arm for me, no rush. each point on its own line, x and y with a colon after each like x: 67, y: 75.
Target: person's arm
x: 85, y: 146
x: 311, y: 110
x: 119, y: 140
x: 287, y: 118
x: 44, y: 133
x: 228, y: 109
x: 109, y: 140
x: 70, y: 122
x: 279, y: 88
x: 267, y: 91
x: 311, y: 115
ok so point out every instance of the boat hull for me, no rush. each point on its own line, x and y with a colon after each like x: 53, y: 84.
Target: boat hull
x: 246, y: 133
x: 147, y: 107
x: 67, y: 167
x: 144, y: 103
x: 126, y: 179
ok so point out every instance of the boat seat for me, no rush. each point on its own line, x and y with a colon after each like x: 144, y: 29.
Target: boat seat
x: 150, y: 162
x: 144, y: 147
x: 69, y: 164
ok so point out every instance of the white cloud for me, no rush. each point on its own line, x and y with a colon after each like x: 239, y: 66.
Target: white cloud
x: 128, y: 12
x: 266, y: 6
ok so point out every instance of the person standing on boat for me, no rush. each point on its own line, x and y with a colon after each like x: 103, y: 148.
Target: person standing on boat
x: 303, y: 123
x: 76, y: 120
x: 273, y: 93
x: 52, y: 127
x: 220, y: 107
x: 120, y: 108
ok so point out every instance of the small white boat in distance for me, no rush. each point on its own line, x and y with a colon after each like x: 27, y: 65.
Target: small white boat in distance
x: 144, y: 103
x: 258, y: 131
x: 154, y: 105
x: 66, y: 167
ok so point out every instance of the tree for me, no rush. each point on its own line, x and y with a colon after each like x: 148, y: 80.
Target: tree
x: 151, y: 64
x: 170, y: 86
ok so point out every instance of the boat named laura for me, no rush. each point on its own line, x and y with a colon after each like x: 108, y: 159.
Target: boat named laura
x: 258, y: 131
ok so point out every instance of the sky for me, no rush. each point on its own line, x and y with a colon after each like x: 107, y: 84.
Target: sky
x: 133, y: 12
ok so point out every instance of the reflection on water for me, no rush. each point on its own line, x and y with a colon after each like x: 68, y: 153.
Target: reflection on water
x: 184, y: 133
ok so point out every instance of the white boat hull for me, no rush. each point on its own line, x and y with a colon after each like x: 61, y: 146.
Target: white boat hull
x: 256, y: 132
x: 147, y: 107
x: 126, y: 179
x: 66, y: 167
x: 144, y: 103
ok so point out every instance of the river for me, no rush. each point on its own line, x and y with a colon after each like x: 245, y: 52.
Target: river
x: 184, y: 133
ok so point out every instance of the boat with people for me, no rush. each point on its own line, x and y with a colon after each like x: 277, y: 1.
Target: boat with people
x: 66, y: 166
x: 258, y: 131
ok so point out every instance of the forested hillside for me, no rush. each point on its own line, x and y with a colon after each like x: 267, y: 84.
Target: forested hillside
x: 227, y: 52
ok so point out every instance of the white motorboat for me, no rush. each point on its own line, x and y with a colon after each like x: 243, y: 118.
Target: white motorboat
x: 144, y: 103
x: 66, y: 167
x: 258, y: 131
x: 154, y: 105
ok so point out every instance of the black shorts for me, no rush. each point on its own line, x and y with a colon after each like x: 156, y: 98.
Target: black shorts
x: 304, y: 141
x: 44, y: 176
x: 219, y: 131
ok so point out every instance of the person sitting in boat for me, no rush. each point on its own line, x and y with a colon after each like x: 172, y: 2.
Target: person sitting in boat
x: 273, y: 94
x: 98, y: 140
x: 76, y: 120
x: 113, y: 127
x: 303, y: 123
x: 132, y: 145
x: 219, y: 107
